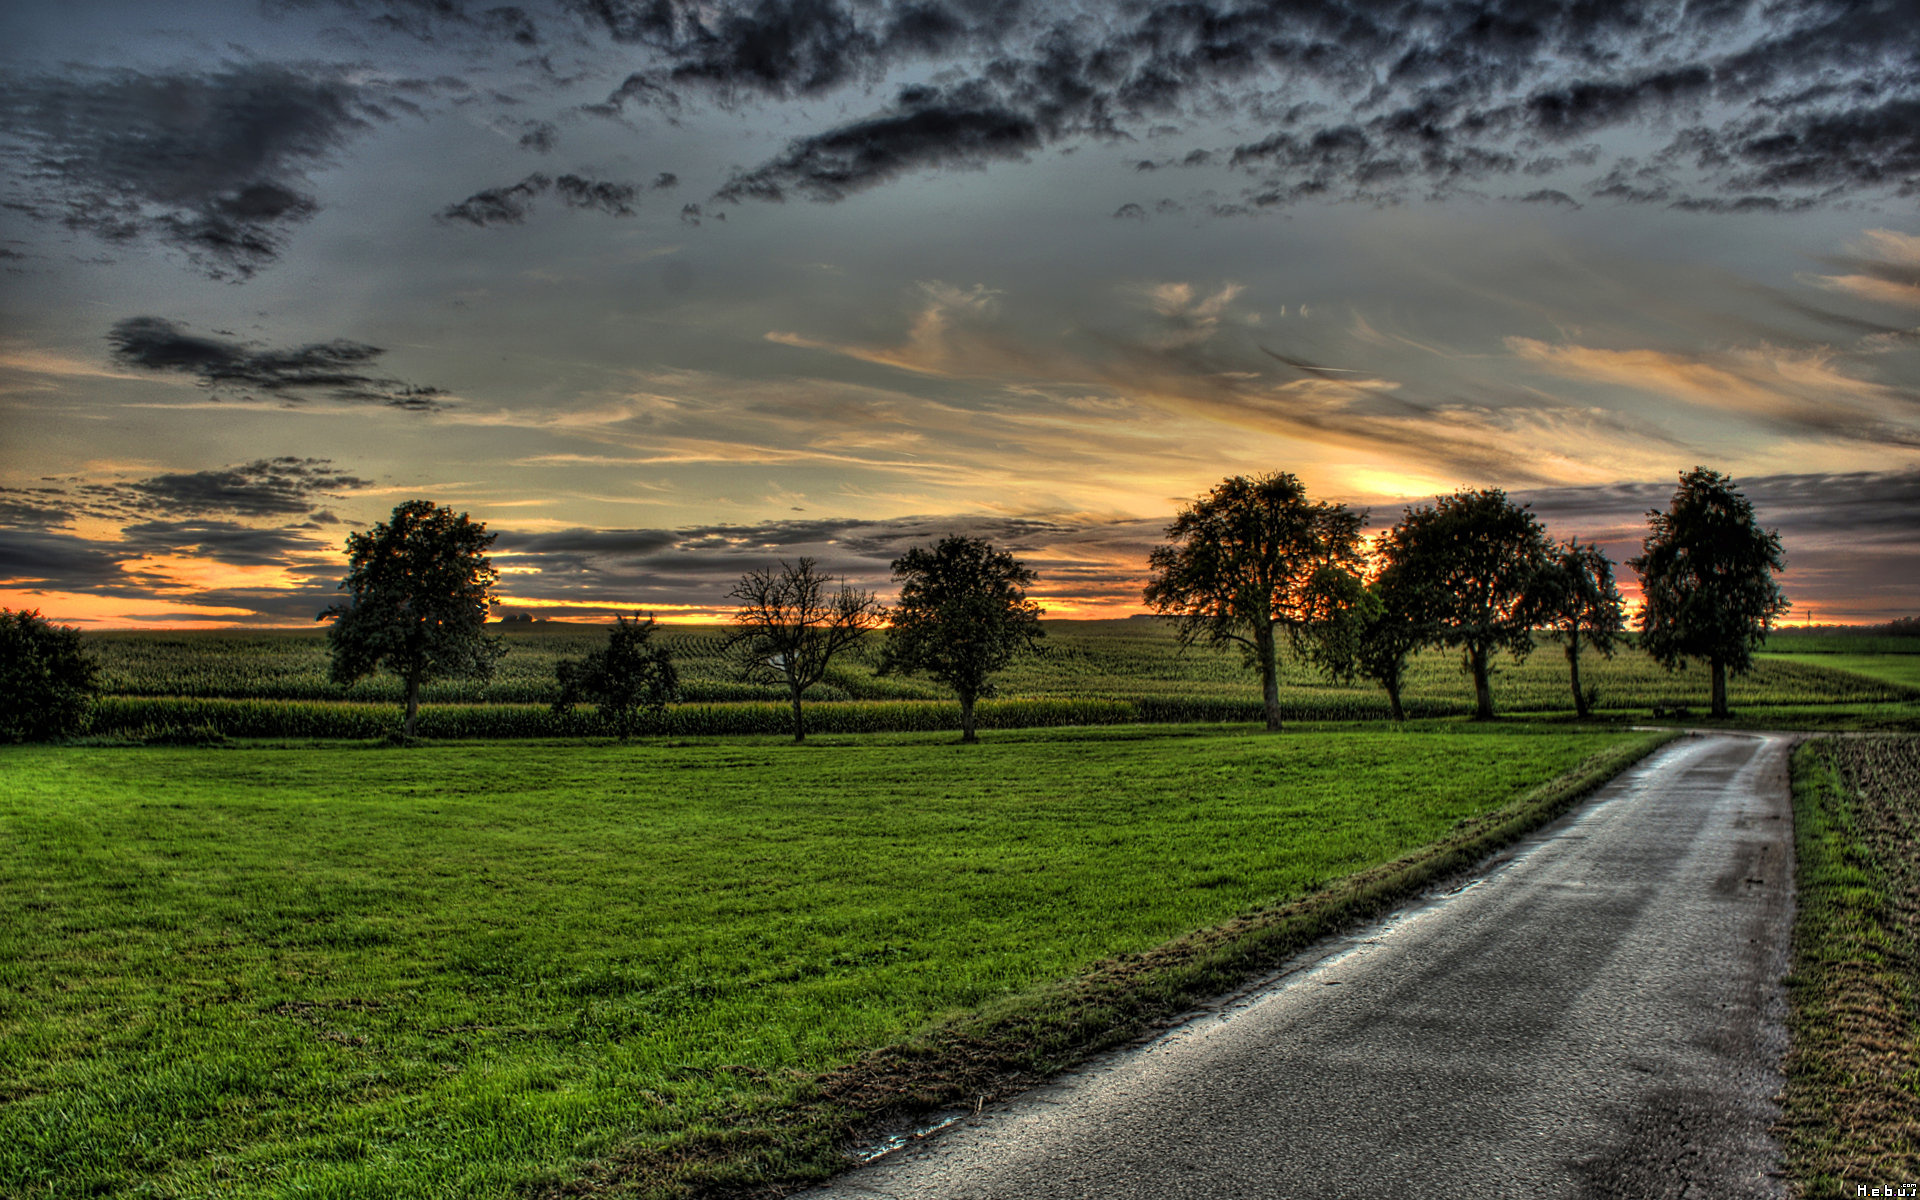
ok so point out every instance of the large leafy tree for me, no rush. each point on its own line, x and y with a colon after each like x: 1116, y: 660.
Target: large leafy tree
x: 792, y: 622
x: 1574, y: 594
x: 421, y: 585
x: 1706, y: 580
x: 1240, y: 568
x: 47, y: 679
x: 1467, y: 562
x: 627, y: 679
x: 963, y: 614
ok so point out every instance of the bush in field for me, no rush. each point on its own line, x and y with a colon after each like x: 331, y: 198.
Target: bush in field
x: 1706, y: 573
x: 46, y: 678
x: 630, y: 677
x: 1574, y: 594
x: 1241, y: 566
x: 792, y: 622
x: 963, y: 614
x: 421, y: 584
x: 1469, y: 561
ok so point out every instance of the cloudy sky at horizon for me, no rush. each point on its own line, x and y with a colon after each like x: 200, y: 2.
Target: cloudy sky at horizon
x: 662, y: 290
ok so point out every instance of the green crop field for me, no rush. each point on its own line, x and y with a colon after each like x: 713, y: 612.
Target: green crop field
x: 472, y: 969
x: 1090, y: 672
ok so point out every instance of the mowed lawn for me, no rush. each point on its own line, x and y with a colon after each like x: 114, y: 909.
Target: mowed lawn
x: 469, y: 969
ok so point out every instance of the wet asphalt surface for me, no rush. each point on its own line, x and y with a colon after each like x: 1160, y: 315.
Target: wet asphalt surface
x: 1597, y: 1014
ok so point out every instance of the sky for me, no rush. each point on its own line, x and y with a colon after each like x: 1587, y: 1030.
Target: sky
x: 664, y: 291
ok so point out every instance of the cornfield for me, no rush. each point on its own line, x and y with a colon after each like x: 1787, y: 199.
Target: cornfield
x: 274, y: 684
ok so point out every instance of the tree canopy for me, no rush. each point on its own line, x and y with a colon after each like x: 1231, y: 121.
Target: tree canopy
x: 963, y: 614
x: 631, y: 676
x: 1240, y: 565
x: 1574, y: 595
x: 792, y: 622
x: 1468, y: 562
x: 47, y: 679
x: 1706, y: 580
x: 420, y: 586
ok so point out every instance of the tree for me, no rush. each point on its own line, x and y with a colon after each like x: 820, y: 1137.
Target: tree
x: 963, y: 614
x: 421, y: 586
x: 1575, y: 595
x: 1365, y: 629
x: 1468, y: 563
x: 627, y: 678
x: 1240, y: 565
x: 1706, y: 580
x: 792, y: 622
x: 47, y: 679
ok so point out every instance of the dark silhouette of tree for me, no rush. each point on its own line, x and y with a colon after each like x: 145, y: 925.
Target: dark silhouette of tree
x: 47, y: 679
x: 1706, y: 580
x: 963, y: 614
x: 1364, y: 629
x: 1574, y: 594
x: 792, y: 622
x: 1467, y: 563
x: 421, y: 585
x: 1240, y: 567
x: 631, y: 677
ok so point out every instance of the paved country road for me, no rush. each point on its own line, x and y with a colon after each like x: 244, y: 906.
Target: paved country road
x: 1598, y: 1014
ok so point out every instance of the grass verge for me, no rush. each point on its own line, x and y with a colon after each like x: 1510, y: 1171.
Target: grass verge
x: 1016, y: 1042
x: 1851, y: 1108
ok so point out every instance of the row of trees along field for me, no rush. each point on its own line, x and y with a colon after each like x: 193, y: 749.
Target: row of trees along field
x: 1252, y: 563
x: 1255, y: 560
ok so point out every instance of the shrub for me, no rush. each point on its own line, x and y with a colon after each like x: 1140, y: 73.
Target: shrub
x: 47, y: 681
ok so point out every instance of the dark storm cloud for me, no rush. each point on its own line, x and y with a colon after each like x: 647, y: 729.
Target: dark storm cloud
x: 1581, y: 107
x: 1425, y: 97
x: 212, y: 164
x: 697, y: 565
x: 510, y: 204
x: 434, y: 20
x: 268, y: 488
x: 222, y: 541
x: 61, y: 562
x: 513, y: 203
x: 336, y: 370
x: 35, y: 506
x: 614, y: 199
x: 1867, y: 507
x: 925, y: 130
x: 541, y: 137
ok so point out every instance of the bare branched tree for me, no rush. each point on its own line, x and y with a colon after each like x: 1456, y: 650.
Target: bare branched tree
x: 791, y: 623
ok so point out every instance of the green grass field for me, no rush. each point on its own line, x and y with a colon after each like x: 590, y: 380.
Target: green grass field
x: 1901, y: 670
x: 474, y: 969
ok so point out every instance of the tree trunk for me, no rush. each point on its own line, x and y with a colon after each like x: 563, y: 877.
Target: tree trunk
x: 799, y: 725
x: 967, y: 733
x: 1393, y: 701
x: 1719, y: 688
x: 1269, y: 675
x: 1573, y: 669
x: 413, y: 699
x: 1482, y: 692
